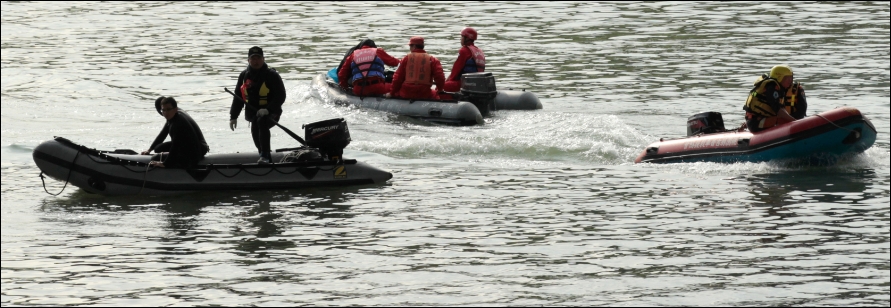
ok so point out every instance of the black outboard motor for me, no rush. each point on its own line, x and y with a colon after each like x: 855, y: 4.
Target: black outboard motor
x: 705, y: 123
x: 329, y: 136
x: 479, y: 89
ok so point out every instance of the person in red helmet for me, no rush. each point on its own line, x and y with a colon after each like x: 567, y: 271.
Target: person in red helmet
x: 470, y: 60
x: 416, y: 73
x: 364, y: 70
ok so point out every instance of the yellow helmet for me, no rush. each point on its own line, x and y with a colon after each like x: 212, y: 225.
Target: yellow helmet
x: 780, y: 71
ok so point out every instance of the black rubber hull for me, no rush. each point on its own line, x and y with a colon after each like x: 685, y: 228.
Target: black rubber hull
x: 118, y: 174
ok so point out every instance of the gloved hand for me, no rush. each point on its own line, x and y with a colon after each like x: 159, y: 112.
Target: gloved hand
x: 262, y: 112
x: 233, y: 123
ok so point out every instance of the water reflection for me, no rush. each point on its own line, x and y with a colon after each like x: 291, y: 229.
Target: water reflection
x: 253, y: 223
x: 812, y: 208
x: 259, y: 221
x: 812, y: 185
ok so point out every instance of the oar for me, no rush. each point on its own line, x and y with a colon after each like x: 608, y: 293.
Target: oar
x: 293, y: 135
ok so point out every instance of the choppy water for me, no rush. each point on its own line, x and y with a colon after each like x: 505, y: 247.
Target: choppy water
x: 533, y: 208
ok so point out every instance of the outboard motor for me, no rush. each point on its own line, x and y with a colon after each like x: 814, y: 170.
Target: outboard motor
x: 329, y: 136
x: 479, y: 89
x: 705, y: 123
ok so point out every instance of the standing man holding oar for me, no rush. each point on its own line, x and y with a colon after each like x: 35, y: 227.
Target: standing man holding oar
x: 262, y: 88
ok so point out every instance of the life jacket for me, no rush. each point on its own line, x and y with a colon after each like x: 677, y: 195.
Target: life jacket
x: 417, y: 68
x: 792, y: 97
x: 366, y: 64
x: 759, y: 103
x: 476, y: 63
x: 252, y: 94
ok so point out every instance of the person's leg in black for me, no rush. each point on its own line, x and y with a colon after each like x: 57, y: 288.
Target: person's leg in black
x: 266, y: 136
x: 260, y: 132
x: 163, y: 147
x: 255, y: 134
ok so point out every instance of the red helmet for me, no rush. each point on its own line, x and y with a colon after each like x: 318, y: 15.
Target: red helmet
x: 469, y: 33
x: 416, y: 40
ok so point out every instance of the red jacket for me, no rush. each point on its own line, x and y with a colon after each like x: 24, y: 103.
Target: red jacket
x: 464, y: 54
x: 343, y: 75
x: 435, y: 68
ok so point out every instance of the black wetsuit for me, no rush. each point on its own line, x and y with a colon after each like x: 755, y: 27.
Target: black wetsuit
x: 159, y: 145
x: 186, y: 146
x: 266, y: 79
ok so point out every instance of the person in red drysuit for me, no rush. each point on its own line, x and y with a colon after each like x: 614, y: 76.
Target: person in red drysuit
x: 416, y: 73
x: 471, y: 59
x: 364, y: 70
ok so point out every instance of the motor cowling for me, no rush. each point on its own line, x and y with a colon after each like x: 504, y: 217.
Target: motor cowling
x: 329, y: 136
x: 479, y: 89
x: 705, y: 123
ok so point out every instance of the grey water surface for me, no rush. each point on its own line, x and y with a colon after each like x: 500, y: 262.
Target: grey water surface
x: 537, y: 207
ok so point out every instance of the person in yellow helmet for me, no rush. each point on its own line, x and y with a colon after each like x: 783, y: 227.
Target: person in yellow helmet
x: 766, y: 104
x: 795, y: 101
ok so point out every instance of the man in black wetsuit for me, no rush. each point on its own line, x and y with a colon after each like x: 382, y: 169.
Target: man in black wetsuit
x: 159, y: 146
x: 262, y: 88
x: 186, y: 146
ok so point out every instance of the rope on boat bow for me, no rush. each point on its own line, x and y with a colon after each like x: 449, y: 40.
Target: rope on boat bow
x: 856, y: 133
x: 66, y: 178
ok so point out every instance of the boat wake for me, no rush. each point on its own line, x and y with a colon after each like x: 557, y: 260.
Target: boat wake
x: 515, y: 135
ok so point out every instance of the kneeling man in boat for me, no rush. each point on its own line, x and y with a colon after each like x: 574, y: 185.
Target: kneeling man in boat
x: 775, y: 100
x: 363, y: 69
x: 416, y: 73
x: 159, y: 146
x: 187, y: 145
